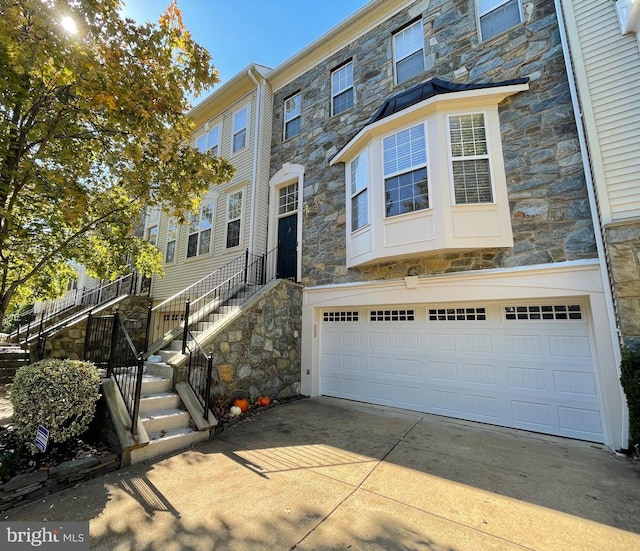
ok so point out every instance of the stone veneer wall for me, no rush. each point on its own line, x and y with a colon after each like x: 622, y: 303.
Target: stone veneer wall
x: 258, y: 354
x: 551, y: 218
x: 69, y: 342
x: 623, y: 247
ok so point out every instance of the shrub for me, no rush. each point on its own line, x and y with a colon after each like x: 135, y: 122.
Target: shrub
x: 59, y: 395
x: 630, y: 379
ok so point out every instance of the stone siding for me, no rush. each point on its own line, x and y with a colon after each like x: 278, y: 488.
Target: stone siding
x: 623, y: 247
x: 258, y: 354
x: 550, y: 213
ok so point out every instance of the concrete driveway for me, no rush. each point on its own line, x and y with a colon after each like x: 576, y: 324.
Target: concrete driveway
x: 319, y: 474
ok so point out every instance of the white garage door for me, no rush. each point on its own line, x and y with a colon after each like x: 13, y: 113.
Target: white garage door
x: 522, y: 365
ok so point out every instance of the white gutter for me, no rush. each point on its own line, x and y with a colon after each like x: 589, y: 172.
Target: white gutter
x: 595, y: 216
x: 254, y: 183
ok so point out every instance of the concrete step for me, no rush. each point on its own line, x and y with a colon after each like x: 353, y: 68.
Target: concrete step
x: 160, y: 369
x: 165, y: 442
x: 159, y: 402
x: 152, y: 384
x: 166, y: 420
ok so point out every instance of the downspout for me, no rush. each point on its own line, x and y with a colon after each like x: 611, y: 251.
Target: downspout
x: 595, y: 214
x: 256, y: 145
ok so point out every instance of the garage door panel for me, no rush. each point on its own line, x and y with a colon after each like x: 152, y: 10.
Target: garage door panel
x: 526, y: 345
x: 534, y: 414
x: 441, y: 342
x: 380, y: 366
x: 527, y: 378
x: 532, y: 374
x: 442, y: 371
x: 580, y: 421
x: 574, y: 382
x: 482, y: 344
x: 569, y: 346
x: 478, y: 374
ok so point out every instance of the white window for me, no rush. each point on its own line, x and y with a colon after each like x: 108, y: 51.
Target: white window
x: 470, y: 170
x: 359, y: 192
x: 292, y: 118
x: 408, y: 52
x: 201, y: 143
x: 172, y: 237
x: 152, y: 235
x: 288, y: 199
x: 199, y: 240
x: 498, y: 16
x: 405, y: 171
x: 240, y: 121
x: 234, y: 217
x: 342, y: 89
x: 209, y: 141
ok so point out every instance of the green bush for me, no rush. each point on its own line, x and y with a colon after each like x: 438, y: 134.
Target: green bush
x: 59, y: 395
x: 630, y: 379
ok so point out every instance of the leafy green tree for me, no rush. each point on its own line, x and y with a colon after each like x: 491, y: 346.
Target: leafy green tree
x: 93, y: 130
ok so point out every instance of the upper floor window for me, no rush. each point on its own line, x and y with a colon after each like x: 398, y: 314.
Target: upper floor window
x: 497, y: 16
x: 234, y: 217
x: 342, y: 89
x: 405, y: 171
x: 172, y: 237
x: 359, y: 192
x: 199, y: 240
x: 152, y: 235
x: 469, y: 159
x: 292, y: 118
x: 209, y: 141
x: 240, y: 122
x: 408, y: 52
x: 288, y: 199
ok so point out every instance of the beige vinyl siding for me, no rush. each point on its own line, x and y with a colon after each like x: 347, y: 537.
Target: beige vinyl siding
x: 612, y: 73
x: 185, y: 271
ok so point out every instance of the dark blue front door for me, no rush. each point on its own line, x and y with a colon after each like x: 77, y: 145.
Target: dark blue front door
x: 287, y: 244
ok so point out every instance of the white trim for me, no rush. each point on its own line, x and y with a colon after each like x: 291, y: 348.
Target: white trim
x: 298, y: 94
x: 396, y: 60
x: 288, y: 174
x: 235, y: 130
x: 488, y: 156
x: 239, y: 217
x: 479, y: 15
x: 334, y: 93
x: 576, y: 279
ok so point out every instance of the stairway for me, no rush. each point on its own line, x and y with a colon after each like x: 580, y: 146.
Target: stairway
x: 210, y: 321
x: 164, y: 417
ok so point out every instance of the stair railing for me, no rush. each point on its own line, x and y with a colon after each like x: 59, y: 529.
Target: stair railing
x: 108, y: 345
x: 200, y: 373
x: 168, y: 317
x: 53, y: 310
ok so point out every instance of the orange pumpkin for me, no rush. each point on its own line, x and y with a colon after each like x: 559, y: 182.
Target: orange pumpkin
x: 264, y: 401
x: 242, y: 403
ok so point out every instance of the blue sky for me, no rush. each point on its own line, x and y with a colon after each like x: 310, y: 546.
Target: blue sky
x: 239, y: 32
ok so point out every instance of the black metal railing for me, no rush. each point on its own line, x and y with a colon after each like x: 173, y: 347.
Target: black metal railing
x: 53, y: 311
x: 200, y: 374
x: 109, y: 346
x: 168, y: 317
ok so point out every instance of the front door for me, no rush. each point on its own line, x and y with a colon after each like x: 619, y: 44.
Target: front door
x: 287, y: 244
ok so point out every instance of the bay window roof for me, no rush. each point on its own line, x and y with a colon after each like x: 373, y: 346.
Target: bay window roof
x: 425, y: 96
